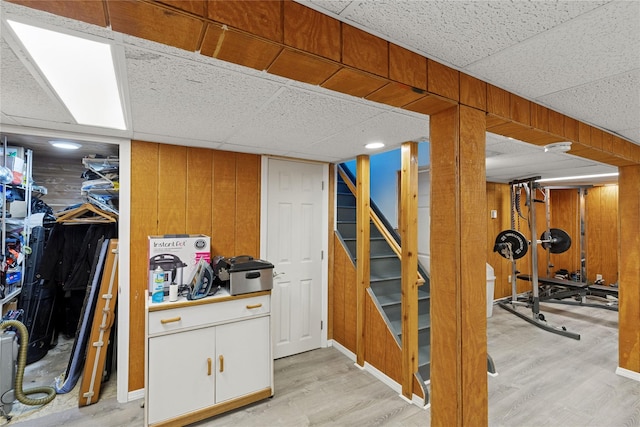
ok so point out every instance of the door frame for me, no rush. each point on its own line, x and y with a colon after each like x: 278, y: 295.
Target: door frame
x: 324, y: 315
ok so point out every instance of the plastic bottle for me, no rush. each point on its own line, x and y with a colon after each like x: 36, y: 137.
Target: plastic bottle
x: 158, y: 285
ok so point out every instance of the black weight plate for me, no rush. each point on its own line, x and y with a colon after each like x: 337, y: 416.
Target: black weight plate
x: 556, y: 240
x: 511, y: 240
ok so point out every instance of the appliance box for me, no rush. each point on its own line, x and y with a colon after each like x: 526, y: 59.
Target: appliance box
x: 251, y: 275
x: 177, y: 255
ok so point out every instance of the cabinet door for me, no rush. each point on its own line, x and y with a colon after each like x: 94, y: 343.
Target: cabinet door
x: 243, y: 361
x: 181, y: 377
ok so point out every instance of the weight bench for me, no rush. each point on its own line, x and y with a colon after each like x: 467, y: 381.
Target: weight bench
x: 603, y: 291
x: 558, y: 290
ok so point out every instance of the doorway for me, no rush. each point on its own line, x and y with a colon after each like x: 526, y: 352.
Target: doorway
x: 60, y: 178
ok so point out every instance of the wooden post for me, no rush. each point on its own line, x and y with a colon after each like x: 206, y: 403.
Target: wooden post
x: 459, y: 394
x: 409, y: 238
x: 629, y: 271
x: 363, y: 246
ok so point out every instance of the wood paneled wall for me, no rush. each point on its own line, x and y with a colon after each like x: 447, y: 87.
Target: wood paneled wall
x: 565, y: 214
x: 602, y: 233
x: 178, y: 190
x: 343, y: 304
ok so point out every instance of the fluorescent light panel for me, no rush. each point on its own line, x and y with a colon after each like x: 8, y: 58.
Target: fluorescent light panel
x: 81, y: 72
x: 579, y: 177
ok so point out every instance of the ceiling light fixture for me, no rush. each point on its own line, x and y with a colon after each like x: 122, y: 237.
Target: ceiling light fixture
x: 80, y: 71
x: 66, y: 145
x: 374, y: 145
x: 578, y: 177
x: 558, y: 147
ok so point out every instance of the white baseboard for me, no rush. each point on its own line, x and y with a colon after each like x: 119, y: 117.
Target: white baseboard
x: 135, y: 395
x: 628, y: 374
x: 342, y: 349
x: 417, y: 400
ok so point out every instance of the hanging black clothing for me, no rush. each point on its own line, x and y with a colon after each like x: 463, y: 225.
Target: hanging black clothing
x: 66, y: 267
x: 69, y: 254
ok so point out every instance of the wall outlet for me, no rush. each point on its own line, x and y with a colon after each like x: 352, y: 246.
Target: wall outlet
x: 509, y: 278
x: 494, y: 214
x: 598, y: 276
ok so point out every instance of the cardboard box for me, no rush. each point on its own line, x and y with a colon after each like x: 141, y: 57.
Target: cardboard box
x: 18, y: 209
x: 177, y: 256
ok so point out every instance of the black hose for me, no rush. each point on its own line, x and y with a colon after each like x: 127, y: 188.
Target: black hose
x: 21, y: 394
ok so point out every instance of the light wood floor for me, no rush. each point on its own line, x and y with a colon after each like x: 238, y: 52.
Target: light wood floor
x: 543, y: 380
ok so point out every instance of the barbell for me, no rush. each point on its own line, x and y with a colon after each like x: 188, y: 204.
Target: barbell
x: 512, y: 244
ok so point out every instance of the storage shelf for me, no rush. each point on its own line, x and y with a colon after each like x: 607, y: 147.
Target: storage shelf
x: 107, y: 169
x: 11, y: 296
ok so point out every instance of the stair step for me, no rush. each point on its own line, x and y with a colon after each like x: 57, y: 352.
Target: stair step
x: 346, y: 213
x: 386, y: 266
x: 382, y: 277
x: 345, y: 200
x: 424, y: 362
x: 393, y: 313
x: 395, y: 297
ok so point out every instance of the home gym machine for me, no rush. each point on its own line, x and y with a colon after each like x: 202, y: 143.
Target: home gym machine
x: 513, y: 245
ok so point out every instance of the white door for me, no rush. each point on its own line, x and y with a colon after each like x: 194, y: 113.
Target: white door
x: 294, y: 246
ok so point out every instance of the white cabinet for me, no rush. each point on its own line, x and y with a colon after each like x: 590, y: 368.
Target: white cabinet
x: 180, y: 380
x: 242, y: 365
x: 206, y: 357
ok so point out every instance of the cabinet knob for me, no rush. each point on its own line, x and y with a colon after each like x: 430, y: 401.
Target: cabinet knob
x: 249, y: 307
x: 221, y: 359
x: 170, y: 320
x: 209, y: 366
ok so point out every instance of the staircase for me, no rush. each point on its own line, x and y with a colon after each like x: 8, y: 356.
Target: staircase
x: 385, y: 279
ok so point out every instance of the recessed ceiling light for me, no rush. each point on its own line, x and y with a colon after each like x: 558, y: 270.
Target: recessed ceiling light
x: 374, y: 145
x: 66, y: 145
x: 558, y: 147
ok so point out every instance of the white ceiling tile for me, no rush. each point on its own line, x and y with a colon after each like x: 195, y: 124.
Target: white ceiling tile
x: 391, y: 128
x: 590, y: 47
x: 298, y: 118
x: 183, y: 98
x: 599, y: 101
x: 462, y: 32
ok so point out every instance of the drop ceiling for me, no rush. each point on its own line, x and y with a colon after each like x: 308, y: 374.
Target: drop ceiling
x: 580, y: 58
